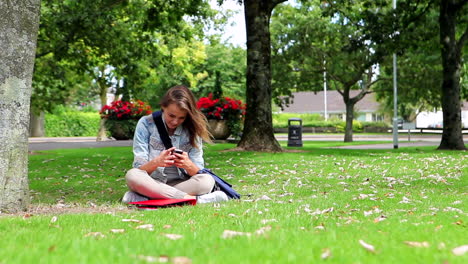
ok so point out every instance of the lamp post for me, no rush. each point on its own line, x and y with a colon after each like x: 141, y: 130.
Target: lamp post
x: 395, y: 100
x: 325, y: 92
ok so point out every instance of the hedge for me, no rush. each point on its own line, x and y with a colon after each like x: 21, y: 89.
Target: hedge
x: 72, y: 123
x: 65, y: 122
x: 280, y: 122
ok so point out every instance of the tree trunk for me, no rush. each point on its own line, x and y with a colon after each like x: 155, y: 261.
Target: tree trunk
x: 19, y: 23
x: 350, y: 102
x: 36, y: 124
x: 349, y: 121
x: 102, y: 83
x: 452, y: 137
x: 258, y: 134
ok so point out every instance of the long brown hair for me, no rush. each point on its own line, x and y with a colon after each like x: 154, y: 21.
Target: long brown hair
x: 195, y: 121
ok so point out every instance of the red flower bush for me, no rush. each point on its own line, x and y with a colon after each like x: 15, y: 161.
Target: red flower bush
x: 231, y: 110
x: 221, y: 109
x: 121, y: 117
x: 122, y: 110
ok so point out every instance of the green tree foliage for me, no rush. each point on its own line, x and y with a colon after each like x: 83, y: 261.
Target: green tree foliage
x: 230, y: 62
x: 103, y: 41
x: 419, y: 75
x: 345, y: 39
x: 309, y: 44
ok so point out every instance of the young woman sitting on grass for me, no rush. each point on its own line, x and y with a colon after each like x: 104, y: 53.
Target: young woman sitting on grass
x: 161, y: 173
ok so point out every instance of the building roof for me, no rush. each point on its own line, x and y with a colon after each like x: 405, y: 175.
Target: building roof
x: 311, y: 102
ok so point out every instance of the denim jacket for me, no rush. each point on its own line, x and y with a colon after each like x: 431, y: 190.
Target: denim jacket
x: 147, y: 145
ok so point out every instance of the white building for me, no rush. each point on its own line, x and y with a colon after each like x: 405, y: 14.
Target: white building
x: 367, y: 109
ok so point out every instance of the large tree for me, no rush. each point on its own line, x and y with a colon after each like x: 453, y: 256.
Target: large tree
x: 19, y: 21
x: 343, y: 38
x: 258, y: 128
x: 453, y: 14
x: 110, y: 43
x: 419, y: 69
x: 307, y: 44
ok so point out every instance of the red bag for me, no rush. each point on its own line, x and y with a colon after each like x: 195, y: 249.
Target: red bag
x: 161, y: 203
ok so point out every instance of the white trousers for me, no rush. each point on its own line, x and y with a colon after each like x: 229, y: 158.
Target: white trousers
x: 139, y: 181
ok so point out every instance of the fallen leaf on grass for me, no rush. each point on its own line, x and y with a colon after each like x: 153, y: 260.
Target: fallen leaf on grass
x: 132, y: 220
x: 231, y: 234
x: 326, y: 253
x: 264, y: 197
x: 262, y: 230
x: 152, y: 259
x: 369, y: 247
x: 25, y: 216
x: 181, y: 260
x: 53, y: 219
x: 115, y: 231
x: 380, y: 219
x: 266, y: 221
x: 405, y: 200
x: 417, y: 244
x: 376, y: 210
x: 461, y: 250
x: 173, y: 236
x: 148, y: 227
x: 328, y: 210
x: 167, y: 226
x: 452, y: 209
x: 95, y: 234
x: 52, y: 248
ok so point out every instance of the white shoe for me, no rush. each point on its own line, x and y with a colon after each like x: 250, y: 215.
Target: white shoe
x: 214, y: 197
x: 130, y: 197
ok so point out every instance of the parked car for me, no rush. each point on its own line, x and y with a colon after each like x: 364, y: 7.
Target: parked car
x: 436, y: 125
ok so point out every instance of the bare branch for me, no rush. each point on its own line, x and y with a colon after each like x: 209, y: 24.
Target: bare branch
x: 462, y: 40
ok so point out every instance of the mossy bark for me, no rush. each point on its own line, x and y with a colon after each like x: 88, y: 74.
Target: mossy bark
x: 258, y: 132
x: 452, y: 136
x: 19, y: 23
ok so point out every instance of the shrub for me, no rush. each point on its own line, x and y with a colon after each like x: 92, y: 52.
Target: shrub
x: 121, y: 117
x: 231, y: 110
x: 316, y: 120
x: 310, y: 120
x: 66, y: 122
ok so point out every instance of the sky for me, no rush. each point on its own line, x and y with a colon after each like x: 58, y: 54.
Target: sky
x: 235, y: 32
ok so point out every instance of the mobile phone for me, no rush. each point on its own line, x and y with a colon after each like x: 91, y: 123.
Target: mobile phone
x: 178, y: 151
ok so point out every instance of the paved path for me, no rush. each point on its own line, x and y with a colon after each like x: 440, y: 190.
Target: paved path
x: 90, y: 142
x: 73, y: 142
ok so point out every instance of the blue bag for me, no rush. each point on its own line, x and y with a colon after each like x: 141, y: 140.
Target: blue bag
x: 220, y: 184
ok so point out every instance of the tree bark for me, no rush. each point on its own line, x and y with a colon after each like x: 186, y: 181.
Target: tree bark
x: 19, y: 23
x: 349, y: 121
x: 258, y: 134
x: 452, y: 136
x: 103, y: 87
x: 350, y: 102
x: 36, y: 124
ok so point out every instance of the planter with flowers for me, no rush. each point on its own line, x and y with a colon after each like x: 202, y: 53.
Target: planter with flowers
x: 225, y: 115
x: 121, y: 117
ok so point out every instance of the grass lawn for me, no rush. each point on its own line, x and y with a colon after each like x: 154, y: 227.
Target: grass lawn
x: 309, y: 206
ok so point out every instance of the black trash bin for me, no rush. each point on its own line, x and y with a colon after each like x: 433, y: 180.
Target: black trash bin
x: 294, y: 132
